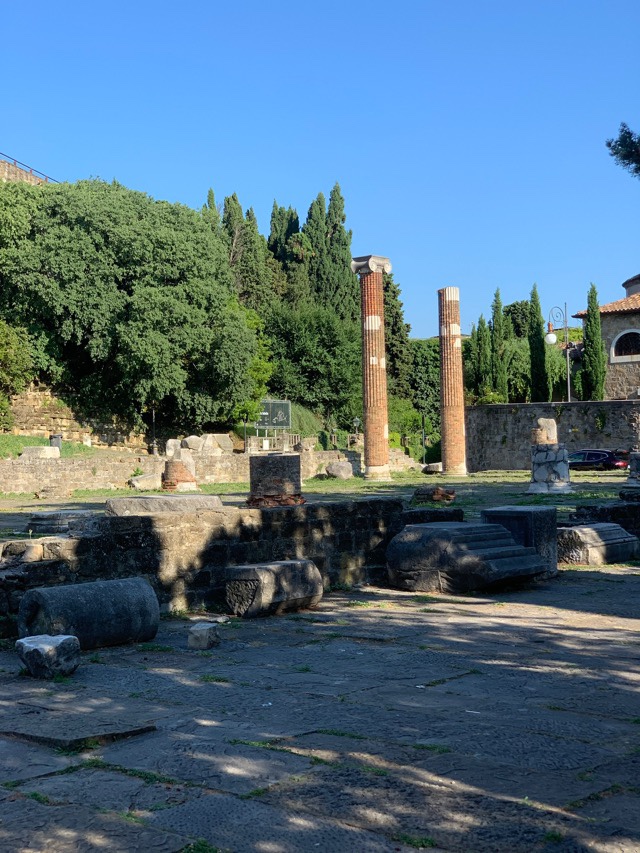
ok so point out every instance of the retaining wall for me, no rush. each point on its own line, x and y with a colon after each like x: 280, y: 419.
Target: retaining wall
x: 184, y: 555
x: 499, y: 436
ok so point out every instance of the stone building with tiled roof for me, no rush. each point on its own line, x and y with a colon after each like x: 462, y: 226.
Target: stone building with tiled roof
x: 620, y: 321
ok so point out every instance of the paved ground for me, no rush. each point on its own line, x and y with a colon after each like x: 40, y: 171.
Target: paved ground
x: 382, y: 721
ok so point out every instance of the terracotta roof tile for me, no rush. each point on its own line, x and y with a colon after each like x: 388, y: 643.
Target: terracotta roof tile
x: 627, y: 305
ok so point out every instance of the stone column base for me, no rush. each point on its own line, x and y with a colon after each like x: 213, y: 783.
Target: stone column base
x: 549, y: 488
x: 377, y: 472
x: 456, y: 471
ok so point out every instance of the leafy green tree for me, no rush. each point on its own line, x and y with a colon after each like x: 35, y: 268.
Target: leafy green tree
x: 425, y: 380
x: 518, y: 360
x: 540, y: 390
x: 594, y: 359
x: 398, y: 351
x: 129, y: 302
x: 498, y: 361
x: 316, y: 360
x: 16, y: 368
x: 518, y: 313
x: 625, y: 149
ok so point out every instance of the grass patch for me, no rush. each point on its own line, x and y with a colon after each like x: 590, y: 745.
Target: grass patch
x: 357, y: 603
x: 95, y: 658
x: 154, y: 647
x: 553, y: 837
x: 304, y: 668
x: 38, y: 797
x: 340, y: 733
x: 438, y: 748
x: 374, y: 771
x: 214, y: 679
x: 200, y: 846
x: 422, y: 842
x: 251, y: 795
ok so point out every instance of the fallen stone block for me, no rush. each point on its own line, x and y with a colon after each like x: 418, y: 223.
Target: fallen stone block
x: 102, y: 613
x: 596, y: 544
x: 146, y: 482
x: 43, y: 523
x: 270, y: 588
x: 192, y: 442
x: 342, y: 469
x: 425, y: 494
x: 40, y: 451
x: 224, y: 442
x: 531, y: 526
x: 203, y: 635
x: 46, y: 656
x: 458, y: 557
x: 151, y: 504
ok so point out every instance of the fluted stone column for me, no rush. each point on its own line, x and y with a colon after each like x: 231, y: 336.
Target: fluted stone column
x: 454, y: 456
x: 374, y: 365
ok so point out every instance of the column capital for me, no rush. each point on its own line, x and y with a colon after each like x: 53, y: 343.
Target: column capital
x: 370, y: 263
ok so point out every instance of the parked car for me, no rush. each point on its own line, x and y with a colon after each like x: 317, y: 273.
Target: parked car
x: 598, y: 460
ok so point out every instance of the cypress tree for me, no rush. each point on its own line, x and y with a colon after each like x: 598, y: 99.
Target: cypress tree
x: 253, y: 279
x: 398, y: 350
x: 232, y: 226
x: 470, y: 361
x: 484, y: 381
x: 314, y: 231
x: 594, y: 360
x: 340, y: 285
x: 284, y: 223
x: 540, y: 391
x: 498, y: 361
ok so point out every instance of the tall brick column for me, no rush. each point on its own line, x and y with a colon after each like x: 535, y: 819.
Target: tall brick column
x: 374, y: 365
x: 454, y: 457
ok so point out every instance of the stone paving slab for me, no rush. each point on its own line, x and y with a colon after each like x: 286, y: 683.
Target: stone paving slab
x: 27, y: 826
x: 503, y: 722
x: 249, y: 826
x: 220, y: 765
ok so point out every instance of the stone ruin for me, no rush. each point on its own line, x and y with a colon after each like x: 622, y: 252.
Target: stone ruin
x: 275, y: 480
x: 549, y: 460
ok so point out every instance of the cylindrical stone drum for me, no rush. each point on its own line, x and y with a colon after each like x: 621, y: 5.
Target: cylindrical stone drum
x: 102, y: 613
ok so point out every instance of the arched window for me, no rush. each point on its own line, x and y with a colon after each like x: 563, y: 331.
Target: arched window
x: 626, y: 346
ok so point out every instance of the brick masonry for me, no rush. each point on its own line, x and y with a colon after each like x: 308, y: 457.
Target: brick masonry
x: 374, y: 373
x: 451, y: 382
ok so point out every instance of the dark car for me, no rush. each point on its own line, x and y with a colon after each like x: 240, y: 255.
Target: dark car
x: 598, y: 460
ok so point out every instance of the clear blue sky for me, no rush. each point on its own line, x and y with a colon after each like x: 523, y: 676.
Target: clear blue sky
x: 468, y: 137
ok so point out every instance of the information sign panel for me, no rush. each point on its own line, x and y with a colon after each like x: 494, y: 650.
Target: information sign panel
x: 275, y: 414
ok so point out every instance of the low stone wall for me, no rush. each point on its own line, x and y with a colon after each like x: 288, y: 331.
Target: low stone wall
x: 184, y: 555
x: 499, y: 436
x: 112, y: 470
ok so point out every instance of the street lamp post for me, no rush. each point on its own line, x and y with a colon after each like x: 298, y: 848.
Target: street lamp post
x: 557, y: 316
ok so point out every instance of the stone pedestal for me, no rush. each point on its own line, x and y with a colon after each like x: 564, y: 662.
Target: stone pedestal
x: 275, y: 475
x: 549, y: 469
x: 532, y: 527
x: 633, y: 478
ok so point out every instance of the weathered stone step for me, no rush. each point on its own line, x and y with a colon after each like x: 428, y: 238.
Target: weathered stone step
x: 459, y: 557
x: 596, y: 544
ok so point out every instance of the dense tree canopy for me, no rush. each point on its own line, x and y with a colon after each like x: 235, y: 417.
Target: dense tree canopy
x: 132, y: 304
x: 129, y: 302
x: 625, y: 149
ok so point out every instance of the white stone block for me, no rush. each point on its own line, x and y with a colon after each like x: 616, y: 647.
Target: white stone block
x: 46, y: 656
x: 203, y: 635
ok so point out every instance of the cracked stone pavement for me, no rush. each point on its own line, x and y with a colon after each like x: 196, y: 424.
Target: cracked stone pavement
x: 381, y: 721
